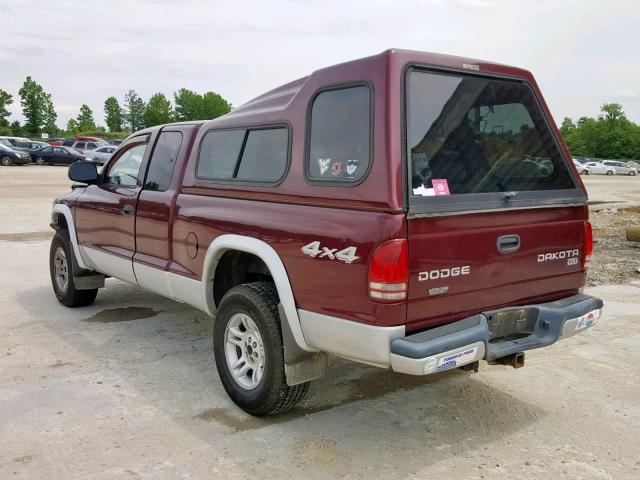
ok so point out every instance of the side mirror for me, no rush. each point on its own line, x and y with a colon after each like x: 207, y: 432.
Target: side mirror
x: 83, y: 172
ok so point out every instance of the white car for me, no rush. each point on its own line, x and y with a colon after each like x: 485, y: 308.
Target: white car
x: 621, y: 167
x: 582, y: 168
x: 101, y: 154
x: 598, y: 168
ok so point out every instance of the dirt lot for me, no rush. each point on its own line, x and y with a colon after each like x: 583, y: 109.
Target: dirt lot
x: 127, y: 388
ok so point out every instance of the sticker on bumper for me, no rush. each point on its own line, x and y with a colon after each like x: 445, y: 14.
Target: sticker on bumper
x: 587, y: 321
x: 457, y: 359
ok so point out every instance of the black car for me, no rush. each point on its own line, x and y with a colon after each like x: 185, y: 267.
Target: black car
x: 57, y: 156
x: 115, y: 141
x: 30, y: 146
x: 9, y: 156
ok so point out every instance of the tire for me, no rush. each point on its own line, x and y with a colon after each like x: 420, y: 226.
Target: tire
x: 40, y: 161
x: 632, y: 173
x: 6, y: 161
x: 247, y: 310
x: 609, y: 172
x: 60, y: 269
x: 584, y: 172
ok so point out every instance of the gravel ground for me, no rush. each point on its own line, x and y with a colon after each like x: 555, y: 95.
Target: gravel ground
x: 127, y: 388
x: 615, y: 260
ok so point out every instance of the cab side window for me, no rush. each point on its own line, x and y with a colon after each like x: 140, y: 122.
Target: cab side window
x: 338, y: 148
x: 163, y: 161
x: 264, y: 158
x: 124, y: 170
x: 258, y: 154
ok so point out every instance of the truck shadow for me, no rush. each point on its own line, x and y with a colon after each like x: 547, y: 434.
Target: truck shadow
x: 162, y: 350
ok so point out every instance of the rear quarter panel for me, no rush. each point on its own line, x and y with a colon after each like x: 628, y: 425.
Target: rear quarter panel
x: 322, y: 285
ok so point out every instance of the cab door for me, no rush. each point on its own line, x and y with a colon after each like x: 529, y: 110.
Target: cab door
x: 106, y: 212
x: 156, y: 205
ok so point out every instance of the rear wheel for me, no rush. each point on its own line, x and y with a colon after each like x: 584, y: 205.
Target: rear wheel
x: 6, y: 161
x: 609, y: 172
x: 61, y: 271
x: 584, y: 172
x: 632, y: 173
x: 247, y: 342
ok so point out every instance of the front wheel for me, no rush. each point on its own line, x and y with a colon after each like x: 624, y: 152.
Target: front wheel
x: 40, y: 161
x: 247, y: 344
x: 609, y: 172
x: 632, y: 173
x: 61, y: 271
x: 584, y: 172
x: 6, y: 161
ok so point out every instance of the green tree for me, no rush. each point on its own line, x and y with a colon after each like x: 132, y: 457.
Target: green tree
x: 134, y: 111
x: 32, y: 100
x: 214, y: 106
x: 613, y: 112
x: 113, y: 114
x: 193, y: 106
x: 567, y: 126
x: 5, y: 99
x: 16, y: 129
x: 187, y: 104
x: 50, y: 116
x: 611, y: 135
x: 84, y: 120
x: 158, y: 111
x: 72, y: 126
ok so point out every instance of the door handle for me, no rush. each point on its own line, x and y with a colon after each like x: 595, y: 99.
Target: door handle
x: 128, y: 210
x: 508, y: 243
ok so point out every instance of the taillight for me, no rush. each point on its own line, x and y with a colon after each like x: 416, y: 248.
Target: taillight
x: 588, y: 244
x: 389, y: 272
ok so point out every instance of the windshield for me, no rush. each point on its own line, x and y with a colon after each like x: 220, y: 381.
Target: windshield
x: 469, y: 135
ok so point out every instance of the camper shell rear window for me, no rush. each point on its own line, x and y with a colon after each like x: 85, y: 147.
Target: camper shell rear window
x: 476, y: 142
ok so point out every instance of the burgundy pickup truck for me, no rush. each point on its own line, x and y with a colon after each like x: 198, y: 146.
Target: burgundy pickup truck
x: 408, y: 210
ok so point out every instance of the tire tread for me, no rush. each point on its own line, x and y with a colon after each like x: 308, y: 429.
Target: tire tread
x: 281, y: 397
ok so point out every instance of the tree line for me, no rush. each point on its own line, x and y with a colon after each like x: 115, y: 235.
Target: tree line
x: 120, y: 118
x: 612, y: 135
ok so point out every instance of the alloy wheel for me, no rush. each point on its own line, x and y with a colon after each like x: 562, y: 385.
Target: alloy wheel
x: 244, y: 351
x: 61, y: 266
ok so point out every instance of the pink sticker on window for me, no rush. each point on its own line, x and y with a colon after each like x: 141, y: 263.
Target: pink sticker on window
x: 440, y: 186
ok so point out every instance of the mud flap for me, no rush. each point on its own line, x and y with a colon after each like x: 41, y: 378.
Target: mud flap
x: 84, y: 279
x: 299, y: 366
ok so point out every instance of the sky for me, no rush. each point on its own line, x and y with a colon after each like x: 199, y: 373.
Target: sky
x: 582, y: 53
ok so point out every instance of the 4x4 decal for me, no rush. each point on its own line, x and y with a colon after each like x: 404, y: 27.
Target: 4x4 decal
x: 346, y: 255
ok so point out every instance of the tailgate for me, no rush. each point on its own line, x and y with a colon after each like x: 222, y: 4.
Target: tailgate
x: 496, y: 211
x: 463, y: 264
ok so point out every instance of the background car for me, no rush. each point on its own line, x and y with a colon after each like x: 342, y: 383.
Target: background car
x: 101, y: 154
x: 621, y: 168
x: 56, y: 142
x: 29, y: 146
x: 90, y: 139
x: 582, y: 168
x: 598, y: 168
x: 14, y: 140
x: 9, y: 156
x: 57, y: 156
x: 115, y: 141
x: 82, y: 145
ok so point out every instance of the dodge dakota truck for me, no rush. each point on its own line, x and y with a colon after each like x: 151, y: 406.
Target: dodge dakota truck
x: 412, y: 211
